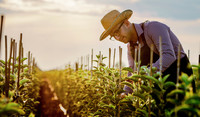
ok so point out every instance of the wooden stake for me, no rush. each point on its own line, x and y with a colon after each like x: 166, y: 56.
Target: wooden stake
x: 22, y: 57
x: 139, y: 51
x: 15, y: 52
x: 9, y: 64
x: 29, y: 62
x: 1, y: 30
x: 6, y: 75
x: 91, y: 63
x: 151, y: 64
x: 120, y: 68
x: 88, y: 61
x: 109, y: 57
x: 189, y: 54
x: 114, y: 58
x: 19, y: 62
x: 82, y: 62
x: 135, y: 61
x: 178, y: 71
x: 120, y: 65
x: 13, y: 67
x: 199, y: 67
x: 160, y: 46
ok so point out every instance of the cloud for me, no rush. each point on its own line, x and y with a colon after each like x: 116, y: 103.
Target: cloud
x: 56, y: 6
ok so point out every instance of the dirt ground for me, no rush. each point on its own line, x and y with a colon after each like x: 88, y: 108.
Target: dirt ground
x: 49, y: 103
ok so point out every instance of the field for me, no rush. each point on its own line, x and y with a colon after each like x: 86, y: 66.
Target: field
x: 85, y: 91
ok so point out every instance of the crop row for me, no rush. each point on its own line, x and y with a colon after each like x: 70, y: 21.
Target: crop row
x: 98, y: 92
x: 17, y: 79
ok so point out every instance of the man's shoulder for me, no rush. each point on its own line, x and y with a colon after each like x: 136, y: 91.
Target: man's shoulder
x: 151, y: 24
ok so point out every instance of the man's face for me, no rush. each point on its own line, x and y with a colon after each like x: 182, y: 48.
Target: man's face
x: 122, y: 33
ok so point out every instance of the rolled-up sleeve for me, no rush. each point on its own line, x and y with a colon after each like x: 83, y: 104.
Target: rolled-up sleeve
x: 155, y: 31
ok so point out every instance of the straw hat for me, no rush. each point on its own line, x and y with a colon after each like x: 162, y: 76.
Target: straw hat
x: 112, y: 19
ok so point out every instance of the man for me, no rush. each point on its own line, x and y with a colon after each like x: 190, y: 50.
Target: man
x: 116, y: 25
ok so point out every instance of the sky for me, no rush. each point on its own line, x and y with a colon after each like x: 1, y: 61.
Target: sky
x: 59, y: 32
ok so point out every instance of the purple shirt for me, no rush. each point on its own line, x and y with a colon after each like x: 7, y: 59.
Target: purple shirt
x: 152, y: 31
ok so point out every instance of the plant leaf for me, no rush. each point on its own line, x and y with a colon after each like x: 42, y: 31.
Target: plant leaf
x: 128, y: 84
x: 176, y: 91
x: 168, y: 84
x: 194, y: 100
x: 23, y: 81
x: 165, y: 78
x: 128, y: 69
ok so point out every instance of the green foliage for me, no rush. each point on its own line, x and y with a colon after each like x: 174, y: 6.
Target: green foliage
x: 22, y: 100
x: 101, y: 94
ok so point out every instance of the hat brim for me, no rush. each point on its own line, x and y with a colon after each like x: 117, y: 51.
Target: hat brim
x: 122, y: 16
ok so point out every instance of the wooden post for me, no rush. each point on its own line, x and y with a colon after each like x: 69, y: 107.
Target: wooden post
x: 29, y: 62
x: 120, y: 71
x: 33, y: 66
x: 19, y: 63
x: 135, y: 61
x: 189, y: 54
x: 1, y: 30
x: 199, y: 67
x: 114, y: 58
x: 22, y: 56
x: 91, y: 63
x: 151, y: 64
x: 160, y: 46
x: 13, y: 67
x: 178, y: 71
x: 6, y: 75
x: 120, y: 64
x: 109, y: 57
x: 15, y: 53
x: 76, y: 64
x: 81, y: 62
x: 9, y: 65
x: 88, y: 61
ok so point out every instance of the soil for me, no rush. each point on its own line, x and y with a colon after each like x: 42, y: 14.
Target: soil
x: 49, y: 103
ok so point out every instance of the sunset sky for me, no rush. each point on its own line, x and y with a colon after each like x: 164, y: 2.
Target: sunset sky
x: 58, y: 32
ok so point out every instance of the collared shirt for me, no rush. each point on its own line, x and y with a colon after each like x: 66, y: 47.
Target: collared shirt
x: 152, y: 31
